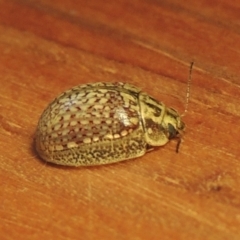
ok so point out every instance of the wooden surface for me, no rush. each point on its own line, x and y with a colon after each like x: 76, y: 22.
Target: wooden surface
x: 49, y: 46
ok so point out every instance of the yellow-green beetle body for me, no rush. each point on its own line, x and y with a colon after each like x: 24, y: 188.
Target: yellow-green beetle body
x: 102, y: 123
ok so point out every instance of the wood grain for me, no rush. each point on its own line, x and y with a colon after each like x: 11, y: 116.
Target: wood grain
x: 49, y: 46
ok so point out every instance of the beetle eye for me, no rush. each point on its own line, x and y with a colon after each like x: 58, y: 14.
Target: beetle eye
x: 172, y: 131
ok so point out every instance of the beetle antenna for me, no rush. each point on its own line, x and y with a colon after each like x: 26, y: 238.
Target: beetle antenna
x: 188, y: 89
x: 178, y: 144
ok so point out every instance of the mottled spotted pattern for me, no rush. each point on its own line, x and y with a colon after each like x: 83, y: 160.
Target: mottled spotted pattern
x: 101, y: 123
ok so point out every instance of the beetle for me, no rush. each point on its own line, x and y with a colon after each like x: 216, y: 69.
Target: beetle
x: 101, y: 123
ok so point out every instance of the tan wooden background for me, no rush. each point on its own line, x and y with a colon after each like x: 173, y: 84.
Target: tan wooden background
x: 48, y: 46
